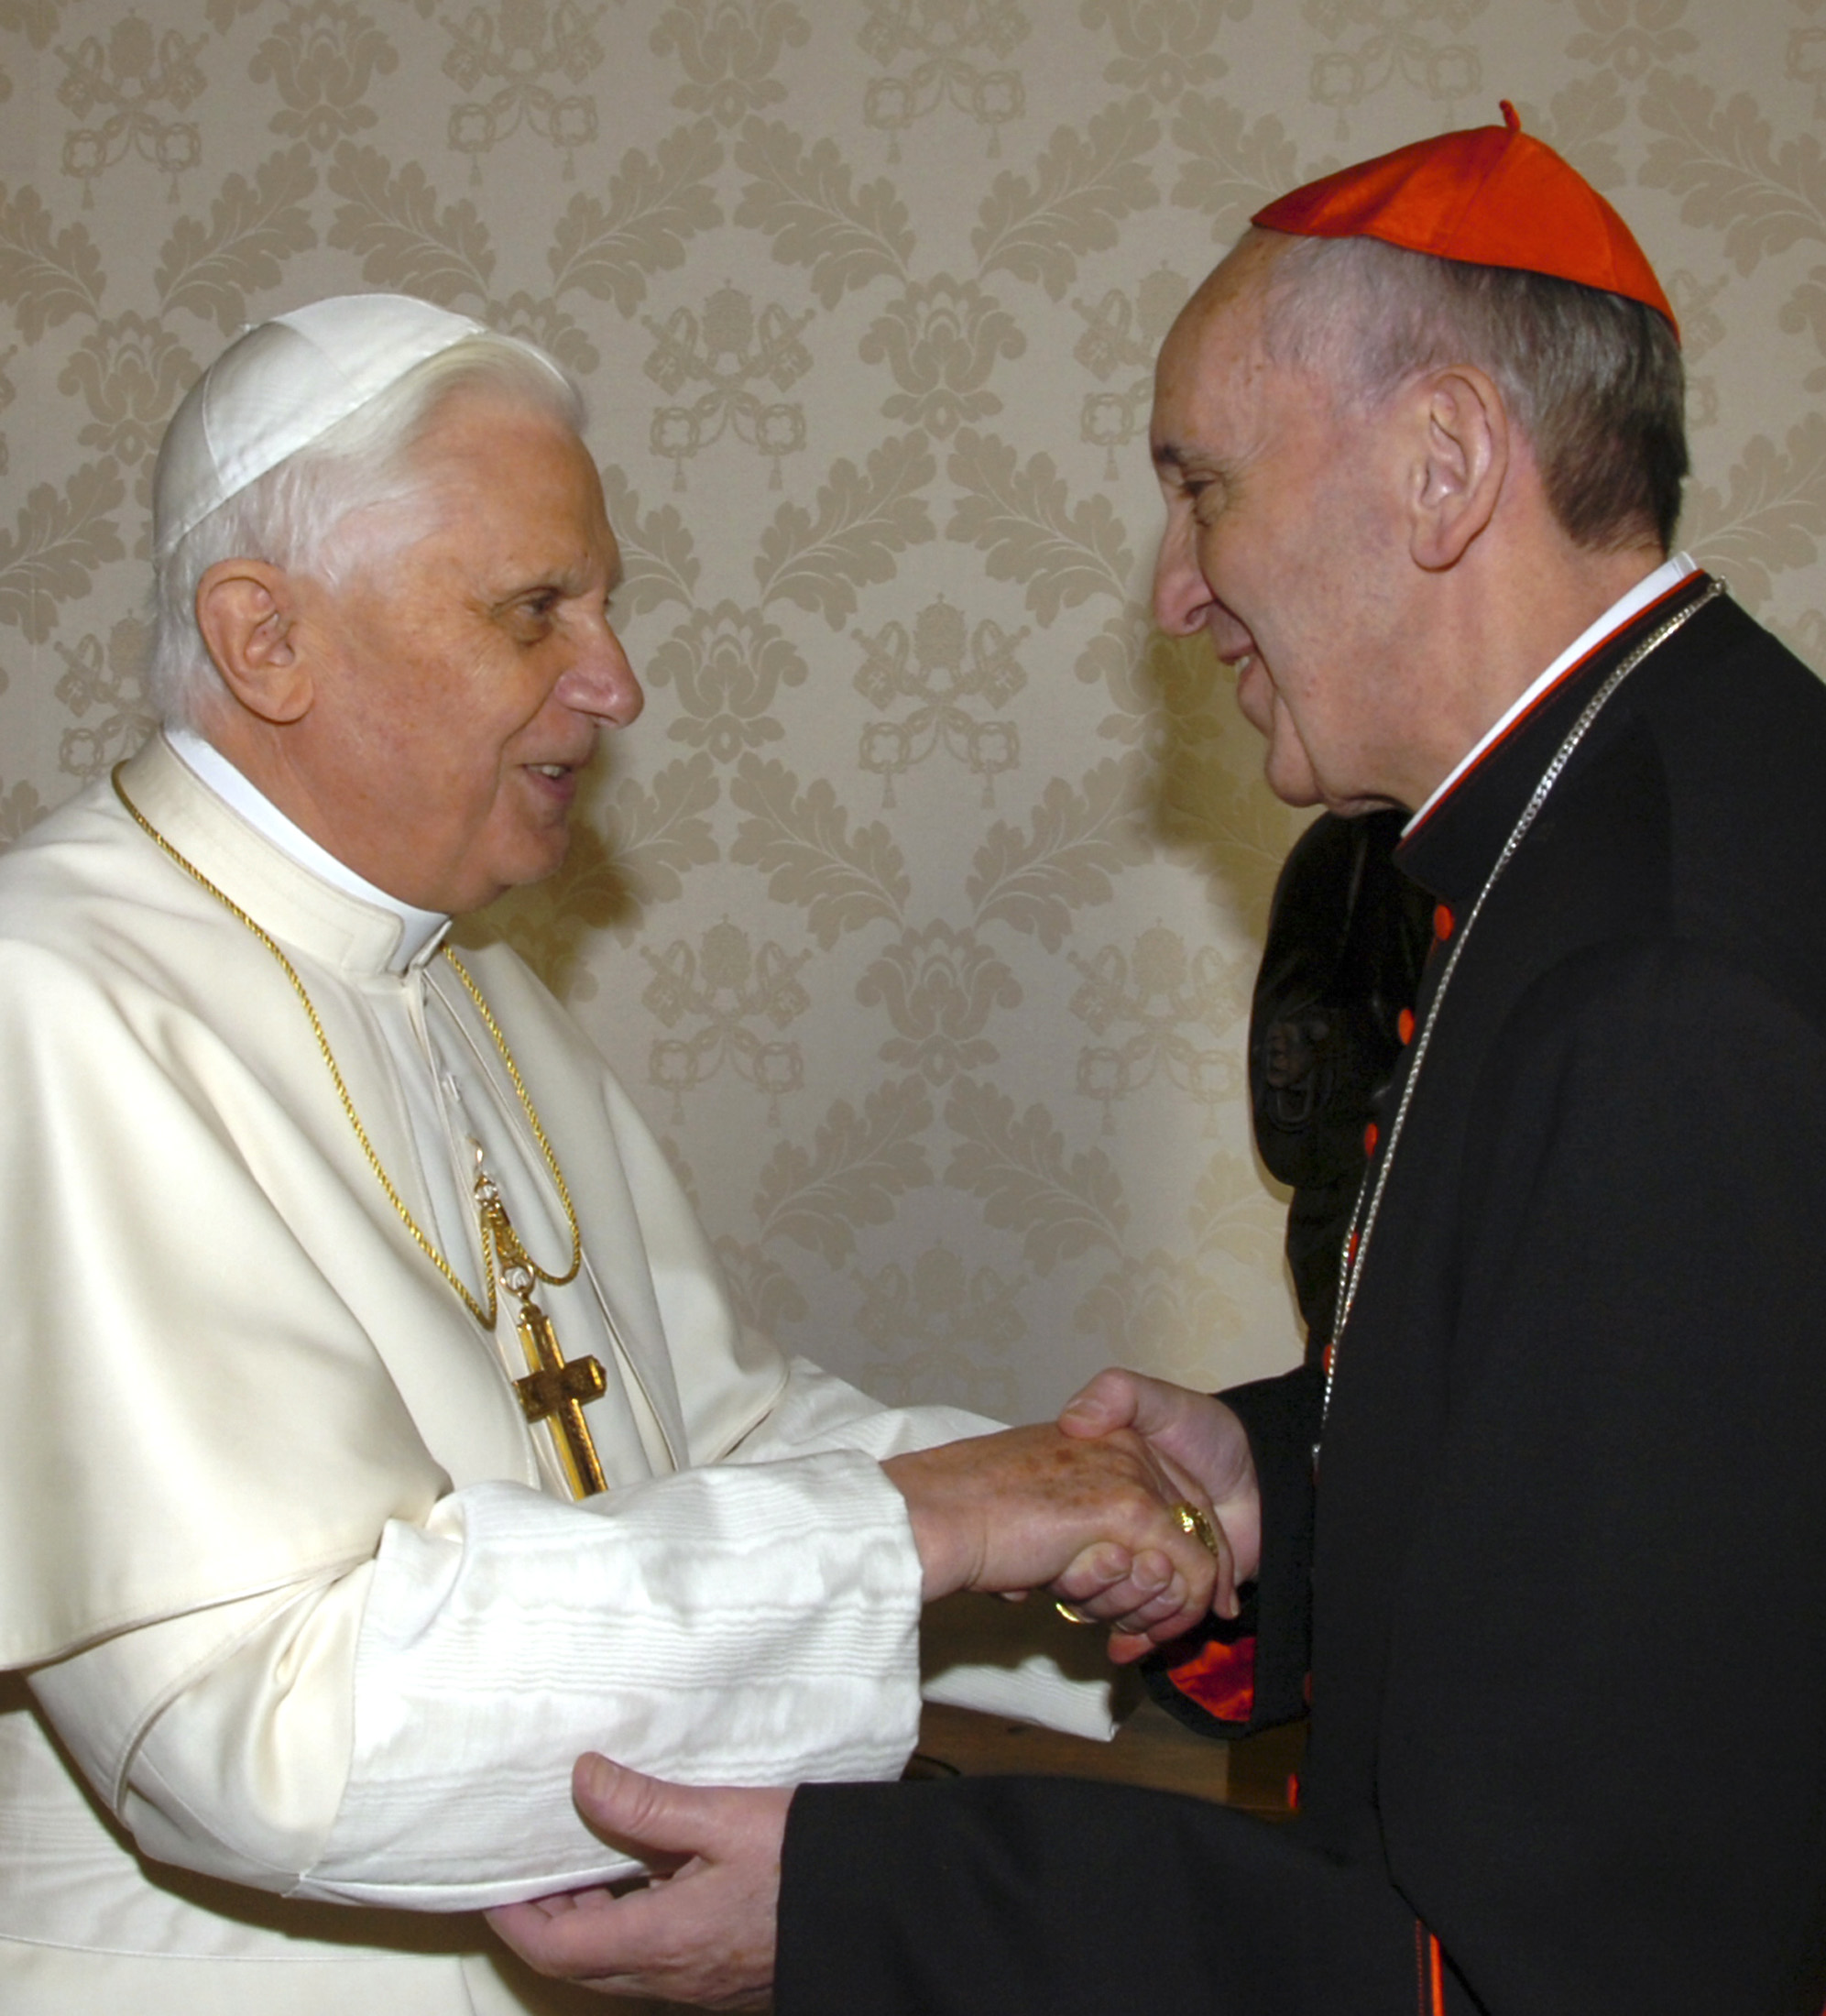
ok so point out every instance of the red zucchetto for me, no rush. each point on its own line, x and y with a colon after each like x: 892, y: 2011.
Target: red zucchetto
x: 1492, y: 196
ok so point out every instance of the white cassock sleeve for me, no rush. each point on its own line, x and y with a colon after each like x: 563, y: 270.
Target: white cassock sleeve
x: 402, y: 1735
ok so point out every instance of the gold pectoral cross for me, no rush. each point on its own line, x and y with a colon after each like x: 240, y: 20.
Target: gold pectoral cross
x: 554, y: 1388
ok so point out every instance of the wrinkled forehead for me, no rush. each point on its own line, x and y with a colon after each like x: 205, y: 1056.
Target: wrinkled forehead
x: 1229, y: 301
x: 493, y: 476
x: 482, y: 450
x: 1216, y: 348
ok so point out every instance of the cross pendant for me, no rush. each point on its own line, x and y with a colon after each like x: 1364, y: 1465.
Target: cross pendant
x: 555, y: 1389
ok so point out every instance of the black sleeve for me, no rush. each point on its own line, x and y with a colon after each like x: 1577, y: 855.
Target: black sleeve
x: 1050, y: 1897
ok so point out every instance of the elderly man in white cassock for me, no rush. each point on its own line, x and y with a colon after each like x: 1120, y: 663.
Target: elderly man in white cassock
x: 378, y: 1432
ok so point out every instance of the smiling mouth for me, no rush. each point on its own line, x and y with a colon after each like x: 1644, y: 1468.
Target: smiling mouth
x: 559, y: 770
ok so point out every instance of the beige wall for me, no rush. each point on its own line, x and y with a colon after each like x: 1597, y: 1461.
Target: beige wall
x: 919, y: 911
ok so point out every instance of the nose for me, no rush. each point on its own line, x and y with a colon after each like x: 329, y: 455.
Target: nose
x: 600, y: 681
x: 1182, y: 597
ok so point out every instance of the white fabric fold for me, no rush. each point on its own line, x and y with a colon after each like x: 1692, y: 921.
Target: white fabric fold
x: 761, y: 1622
x: 304, y: 1619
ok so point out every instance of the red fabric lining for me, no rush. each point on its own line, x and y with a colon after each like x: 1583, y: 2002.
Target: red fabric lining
x: 1220, y: 1679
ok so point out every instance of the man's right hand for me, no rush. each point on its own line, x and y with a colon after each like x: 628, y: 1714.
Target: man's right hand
x: 702, y: 1930
x: 1094, y: 1521
x: 1197, y: 1434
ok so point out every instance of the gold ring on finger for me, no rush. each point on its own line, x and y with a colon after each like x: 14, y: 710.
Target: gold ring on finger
x: 1193, y: 1522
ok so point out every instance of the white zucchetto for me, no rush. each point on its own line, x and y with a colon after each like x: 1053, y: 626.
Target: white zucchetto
x: 284, y: 384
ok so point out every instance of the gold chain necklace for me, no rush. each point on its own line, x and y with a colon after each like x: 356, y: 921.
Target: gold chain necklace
x: 554, y: 1388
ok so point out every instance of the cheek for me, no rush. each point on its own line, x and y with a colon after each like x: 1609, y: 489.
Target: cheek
x: 496, y: 728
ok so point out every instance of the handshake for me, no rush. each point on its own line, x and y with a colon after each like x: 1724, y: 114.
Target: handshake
x: 1112, y: 1511
x: 1137, y: 1510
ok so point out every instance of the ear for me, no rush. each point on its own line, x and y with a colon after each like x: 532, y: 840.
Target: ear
x: 247, y: 613
x: 1463, y: 467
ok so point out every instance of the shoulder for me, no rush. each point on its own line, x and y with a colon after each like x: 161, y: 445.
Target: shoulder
x: 1729, y: 699
x: 78, y: 852
x: 1691, y: 815
x: 88, y: 907
x: 1673, y: 1056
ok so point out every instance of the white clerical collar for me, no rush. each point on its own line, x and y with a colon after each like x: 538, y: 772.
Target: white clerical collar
x: 419, y: 929
x: 1625, y: 610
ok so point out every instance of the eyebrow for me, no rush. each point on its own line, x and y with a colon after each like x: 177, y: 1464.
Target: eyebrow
x: 1171, y: 456
x: 564, y: 579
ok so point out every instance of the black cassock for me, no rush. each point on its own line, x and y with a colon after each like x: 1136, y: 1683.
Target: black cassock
x: 1561, y: 1588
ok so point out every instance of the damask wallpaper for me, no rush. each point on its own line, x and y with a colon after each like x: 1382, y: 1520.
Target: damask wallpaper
x: 920, y: 910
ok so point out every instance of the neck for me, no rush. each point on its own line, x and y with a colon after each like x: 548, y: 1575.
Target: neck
x: 419, y: 928
x: 1502, y: 629
x: 262, y: 753
x: 1641, y: 596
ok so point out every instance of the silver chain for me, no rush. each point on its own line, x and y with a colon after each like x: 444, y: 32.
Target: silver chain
x: 1370, y: 1198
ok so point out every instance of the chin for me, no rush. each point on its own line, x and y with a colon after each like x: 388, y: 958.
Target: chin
x: 1293, y: 783
x: 544, y: 854
x: 528, y: 866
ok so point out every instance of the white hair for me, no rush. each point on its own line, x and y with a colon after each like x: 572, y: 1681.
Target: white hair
x: 292, y: 517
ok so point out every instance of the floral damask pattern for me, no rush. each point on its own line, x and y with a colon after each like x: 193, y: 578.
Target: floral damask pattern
x: 101, y: 687
x: 728, y: 666
x: 129, y: 372
x: 934, y: 1323
x: 920, y: 910
x: 728, y: 49
x: 942, y: 339
x: 1122, y: 337
x: 1377, y: 44
x: 522, y: 54
x: 722, y: 986
x: 1159, y: 992
x: 1631, y: 36
x: 322, y: 59
x: 1164, y: 45
x: 935, y: 51
x: 939, y: 988
x: 123, y: 81
x: 938, y: 670
x: 729, y: 349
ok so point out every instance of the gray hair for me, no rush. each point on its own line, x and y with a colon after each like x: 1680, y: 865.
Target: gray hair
x: 1592, y: 379
x: 294, y: 515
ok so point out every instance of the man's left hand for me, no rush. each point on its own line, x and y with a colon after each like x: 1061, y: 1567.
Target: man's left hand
x: 702, y: 1933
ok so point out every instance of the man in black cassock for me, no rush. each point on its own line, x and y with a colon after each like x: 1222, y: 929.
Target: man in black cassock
x: 1543, y: 1537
